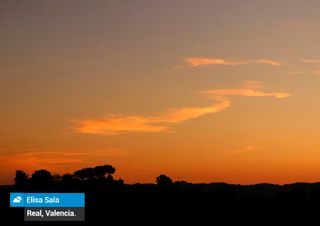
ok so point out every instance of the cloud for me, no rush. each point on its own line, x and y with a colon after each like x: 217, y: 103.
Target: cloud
x: 270, y: 62
x: 311, y: 61
x: 201, y: 61
x: 247, y: 93
x: 117, y: 124
x: 162, y: 122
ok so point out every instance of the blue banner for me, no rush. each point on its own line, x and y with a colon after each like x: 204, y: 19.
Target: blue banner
x: 47, y: 200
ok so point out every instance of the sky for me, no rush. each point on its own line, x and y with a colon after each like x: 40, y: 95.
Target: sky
x: 203, y: 91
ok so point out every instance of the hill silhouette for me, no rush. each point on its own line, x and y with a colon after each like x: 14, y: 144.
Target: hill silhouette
x: 167, y: 202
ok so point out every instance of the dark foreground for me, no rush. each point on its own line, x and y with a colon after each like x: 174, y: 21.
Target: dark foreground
x: 185, y: 204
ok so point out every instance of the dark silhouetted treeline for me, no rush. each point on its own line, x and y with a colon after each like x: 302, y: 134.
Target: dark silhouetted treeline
x: 86, y: 178
x: 168, y: 202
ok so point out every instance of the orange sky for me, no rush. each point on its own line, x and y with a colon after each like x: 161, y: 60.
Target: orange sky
x: 218, y: 91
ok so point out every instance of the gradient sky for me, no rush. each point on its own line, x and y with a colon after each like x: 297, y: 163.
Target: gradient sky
x: 199, y: 90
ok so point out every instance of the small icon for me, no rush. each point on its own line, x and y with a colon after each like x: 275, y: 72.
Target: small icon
x: 17, y: 199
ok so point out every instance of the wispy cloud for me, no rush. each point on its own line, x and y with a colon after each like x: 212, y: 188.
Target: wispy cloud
x: 117, y: 124
x: 250, y: 89
x: 201, y: 61
x: 270, y: 62
x: 311, y: 61
x: 162, y: 122
x: 247, y: 93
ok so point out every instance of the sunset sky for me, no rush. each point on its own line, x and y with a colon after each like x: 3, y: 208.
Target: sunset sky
x: 200, y: 90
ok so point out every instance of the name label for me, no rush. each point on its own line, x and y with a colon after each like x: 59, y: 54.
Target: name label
x: 47, y: 200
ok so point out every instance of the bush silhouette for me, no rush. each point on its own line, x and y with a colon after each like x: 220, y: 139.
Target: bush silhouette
x: 164, y: 180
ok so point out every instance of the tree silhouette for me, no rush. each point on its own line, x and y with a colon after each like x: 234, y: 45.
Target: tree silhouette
x: 85, y: 173
x: 67, y: 178
x: 164, y: 180
x: 89, y: 172
x: 81, y: 174
x: 110, y: 169
x: 101, y: 171
x: 96, y: 172
x: 56, y: 177
x: 21, y: 178
x: 41, y: 177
